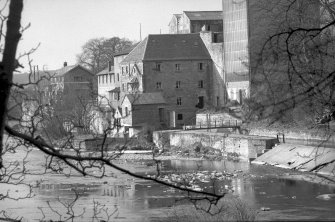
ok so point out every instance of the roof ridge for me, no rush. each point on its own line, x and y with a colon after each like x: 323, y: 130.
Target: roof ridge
x: 174, y: 34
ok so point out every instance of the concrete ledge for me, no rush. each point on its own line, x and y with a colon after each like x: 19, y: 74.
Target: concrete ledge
x: 299, y: 157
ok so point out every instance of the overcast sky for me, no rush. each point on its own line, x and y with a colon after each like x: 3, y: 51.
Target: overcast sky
x: 63, y: 26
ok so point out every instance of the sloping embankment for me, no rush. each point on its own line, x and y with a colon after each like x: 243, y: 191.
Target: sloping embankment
x: 299, y: 157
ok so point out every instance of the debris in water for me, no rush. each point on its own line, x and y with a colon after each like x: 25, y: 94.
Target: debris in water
x: 326, y: 196
x: 265, y: 209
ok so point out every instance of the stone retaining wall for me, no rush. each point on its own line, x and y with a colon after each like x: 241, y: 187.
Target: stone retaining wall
x: 242, y: 146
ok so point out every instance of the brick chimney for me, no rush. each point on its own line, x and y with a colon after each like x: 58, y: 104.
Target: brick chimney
x: 65, y: 64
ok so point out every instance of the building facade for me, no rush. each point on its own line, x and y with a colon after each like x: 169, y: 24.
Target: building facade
x: 177, y: 66
x: 247, y: 26
x: 196, y: 21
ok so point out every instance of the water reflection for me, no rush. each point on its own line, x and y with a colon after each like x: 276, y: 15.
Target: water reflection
x: 119, y: 190
x: 138, y: 199
x: 188, y: 165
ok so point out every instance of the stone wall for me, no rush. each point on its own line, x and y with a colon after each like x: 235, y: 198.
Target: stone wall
x: 188, y: 90
x: 242, y: 146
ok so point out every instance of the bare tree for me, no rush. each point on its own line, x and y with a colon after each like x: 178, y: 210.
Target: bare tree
x: 292, y: 66
x: 97, y: 52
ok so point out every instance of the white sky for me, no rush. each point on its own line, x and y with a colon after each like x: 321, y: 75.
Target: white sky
x: 63, y: 26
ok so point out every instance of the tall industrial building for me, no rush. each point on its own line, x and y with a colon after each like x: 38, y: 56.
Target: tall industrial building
x: 247, y: 25
x: 236, y: 51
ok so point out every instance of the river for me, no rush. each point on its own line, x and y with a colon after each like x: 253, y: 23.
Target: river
x: 140, y: 200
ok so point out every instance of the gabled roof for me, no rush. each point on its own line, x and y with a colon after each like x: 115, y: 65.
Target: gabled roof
x: 126, y: 51
x: 62, y: 71
x: 26, y: 78
x: 105, y: 71
x: 169, y: 47
x: 137, y: 54
x: 145, y: 98
x: 116, y: 89
x: 204, y: 15
x: 175, y: 17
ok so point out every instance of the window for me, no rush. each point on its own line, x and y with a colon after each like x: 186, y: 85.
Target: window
x: 231, y: 94
x: 179, y: 101
x: 126, y: 111
x: 126, y: 69
x: 201, y: 84
x: 177, y: 67
x: 200, y: 104
x: 180, y: 116
x: 110, y: 78
x: 161, y: 114
x: 178, y: 84
x: 118, y: 77
x: 122, y: 70
x: 158, y: 85
x: 116, y: 96
x: 158, y: 67
x: 200, y: 66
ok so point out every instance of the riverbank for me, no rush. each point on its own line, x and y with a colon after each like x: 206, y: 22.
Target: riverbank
x: 316, y: 160
x: 269, y: 169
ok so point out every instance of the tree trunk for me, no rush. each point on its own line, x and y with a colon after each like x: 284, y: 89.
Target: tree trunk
x: 7, y: 66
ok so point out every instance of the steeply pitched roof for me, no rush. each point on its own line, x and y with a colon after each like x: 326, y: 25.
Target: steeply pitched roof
x: 137, y: 54
x: 169, y: 47
x: 105, y: 71
x: 126, y: 51
x: 146, y: 98
x: 62, y: 71
x: 175, y: 17
x: 116, y: 89
x: 204, y: 15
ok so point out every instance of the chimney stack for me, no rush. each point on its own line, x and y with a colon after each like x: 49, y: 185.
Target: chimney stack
x: 65, y: 64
